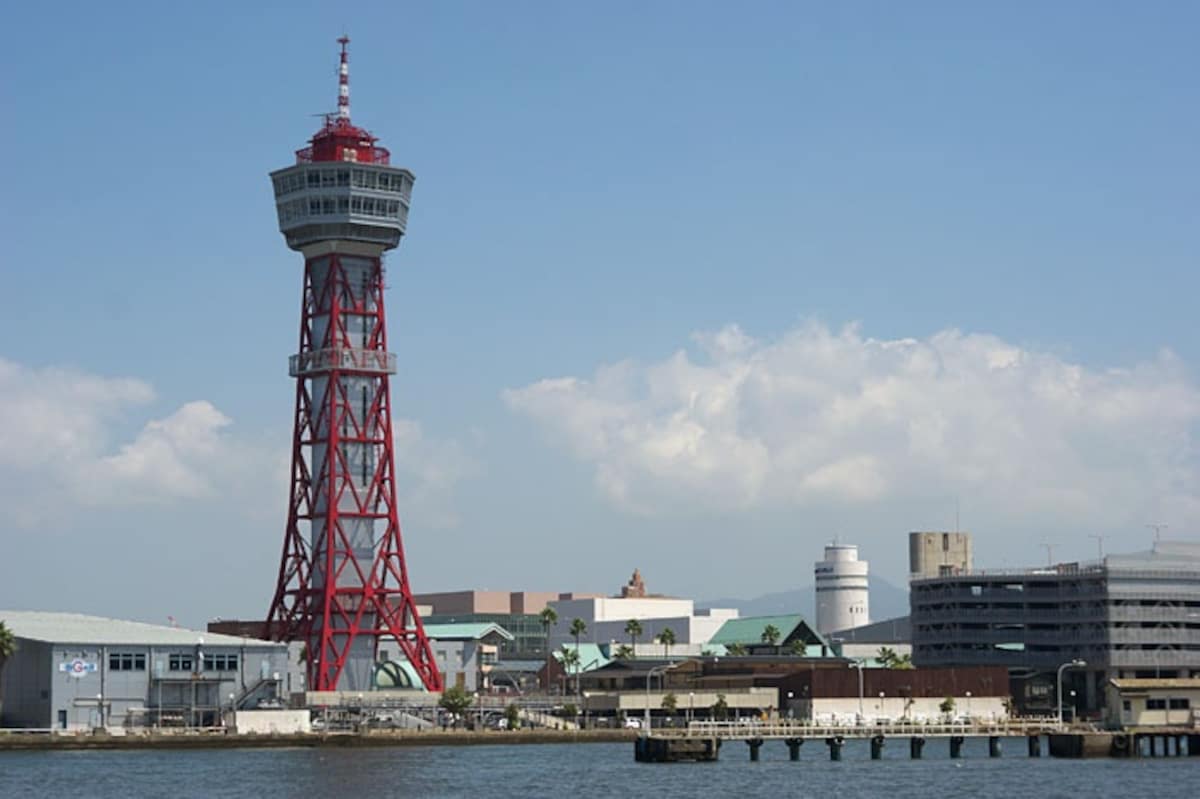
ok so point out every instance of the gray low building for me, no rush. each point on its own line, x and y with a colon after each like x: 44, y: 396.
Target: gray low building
x: 74, y: 672
x: 1127, y: 616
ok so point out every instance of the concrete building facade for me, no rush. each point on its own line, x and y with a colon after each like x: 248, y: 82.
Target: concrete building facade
x: 934, y: 554
x: 1135, y: 615
x: 606, y: 617
x: 843, y: 596
x: 75, y: 672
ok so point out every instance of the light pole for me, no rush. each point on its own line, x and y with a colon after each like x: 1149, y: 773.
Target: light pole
x: 1076, y: 663
x: 691, y: 707
x: 858, y: 664
x: 881, y: 704
x: 968, y: 705
x: 649, y: 679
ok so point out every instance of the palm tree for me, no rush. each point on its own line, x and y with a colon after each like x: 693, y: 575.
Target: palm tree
x: 549, y: 618
x: 578, y: 628
x: 8, y: 648
x: 624, y: 652
x: 735, y: 649
x: 570, y: 659
x: 666, y: 638
x: 633, y: 628
x: 798, y: 648
x: 771, y: 635
x: 886, y: 657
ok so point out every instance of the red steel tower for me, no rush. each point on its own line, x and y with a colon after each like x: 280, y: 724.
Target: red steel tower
x: 343, y: 584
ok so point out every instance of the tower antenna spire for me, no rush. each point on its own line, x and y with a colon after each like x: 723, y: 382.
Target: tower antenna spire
x: 343, y: 104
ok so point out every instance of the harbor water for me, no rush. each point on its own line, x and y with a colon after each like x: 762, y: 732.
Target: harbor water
x: 580, y: 771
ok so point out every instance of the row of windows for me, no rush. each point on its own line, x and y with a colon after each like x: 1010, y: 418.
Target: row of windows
x: 320, y: 206
x: 211, y: 663
x: 1161, y: 704
x: 328, y: 178
x: 126, y: 661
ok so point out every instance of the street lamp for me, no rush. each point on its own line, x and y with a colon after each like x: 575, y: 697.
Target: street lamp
x: 968, y: 705
x: 649, y: 679
x: 858, y: 664
x: 691, y: 707
x: 1076, y: 663
x: 881, y: 703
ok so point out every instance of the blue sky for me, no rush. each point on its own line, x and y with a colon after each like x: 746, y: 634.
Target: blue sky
x: 598, y: 190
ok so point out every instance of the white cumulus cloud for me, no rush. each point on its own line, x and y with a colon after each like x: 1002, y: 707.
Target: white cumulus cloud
x: 828, y: 417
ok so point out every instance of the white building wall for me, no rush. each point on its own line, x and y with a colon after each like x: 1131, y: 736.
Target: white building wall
x: 606, y: 619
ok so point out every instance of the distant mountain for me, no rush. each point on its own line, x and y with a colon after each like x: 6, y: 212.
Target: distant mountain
x: 887, y: 601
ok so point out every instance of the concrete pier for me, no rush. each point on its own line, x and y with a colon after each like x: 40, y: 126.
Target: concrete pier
x: 835, y: 745
x: 755, y: 745
x: 674, y: 750
x: 994, y: 746
x: 1035, y: 745
x: 793, y: 745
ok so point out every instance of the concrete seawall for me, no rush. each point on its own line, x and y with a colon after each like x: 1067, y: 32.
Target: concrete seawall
x: 378, y: 738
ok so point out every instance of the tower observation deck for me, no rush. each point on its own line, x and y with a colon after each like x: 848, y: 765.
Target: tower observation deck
x: 343, y: 582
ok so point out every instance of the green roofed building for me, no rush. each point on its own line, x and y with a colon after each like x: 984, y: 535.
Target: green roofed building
x: 794, y: 632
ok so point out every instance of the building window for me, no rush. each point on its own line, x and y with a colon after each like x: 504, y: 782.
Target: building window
x: 1180, y: 704
x: 1126, y: 705
x: 1156, y: 704
x: 126, y: 661
x: 220, y: 662
x: 180, y: 663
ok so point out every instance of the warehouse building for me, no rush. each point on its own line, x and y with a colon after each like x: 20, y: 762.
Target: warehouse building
x: 76, y: 672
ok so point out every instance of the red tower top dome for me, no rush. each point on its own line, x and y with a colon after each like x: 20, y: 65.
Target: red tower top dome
x: 339, y: 139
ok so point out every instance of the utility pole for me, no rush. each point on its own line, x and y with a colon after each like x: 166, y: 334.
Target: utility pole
x: 1158, y: 528
x: 1099, y: 543
x: 1049, y: 554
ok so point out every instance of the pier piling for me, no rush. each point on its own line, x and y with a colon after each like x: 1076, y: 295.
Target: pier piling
x: 835, y: 745
x: 915, y: 745
x: 994, y: 746
x: 793, y: 745
x: 1035, y: 745
x: 877, y: 747
x: 956, y: 742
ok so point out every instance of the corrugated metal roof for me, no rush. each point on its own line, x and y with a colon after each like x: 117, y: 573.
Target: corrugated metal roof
x: 591, y: 656
x: 77, y: 628
x: 471, y: 631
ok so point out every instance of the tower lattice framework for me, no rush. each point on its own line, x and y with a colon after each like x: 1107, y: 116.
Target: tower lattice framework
x: 343, y: 585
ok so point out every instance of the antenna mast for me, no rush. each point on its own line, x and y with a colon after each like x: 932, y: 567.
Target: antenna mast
x: 343, y: 104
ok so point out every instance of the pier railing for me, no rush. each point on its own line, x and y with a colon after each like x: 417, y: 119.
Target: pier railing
x: 787, y: 728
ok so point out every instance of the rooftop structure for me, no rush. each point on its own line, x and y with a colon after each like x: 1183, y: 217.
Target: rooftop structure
x: 932, y: 554
x: 751, y: 634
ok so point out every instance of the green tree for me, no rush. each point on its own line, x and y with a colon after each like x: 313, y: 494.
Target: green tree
x: 798, y: 648
x: 735, y: 649
x: 670, y: 702
x: 578, y: 628
x: 666, y: 638
x: 771, y: 636
x: 947, y: 705
x: 633, y: 628
x: 455, y: 701
x: 512, y: 717
x: 624, y: 652
x: 904, y: 662
x: 549, y: 618
x: 8, y: 648
x: 886, y: 657
x: 570, y: 660
x: 720, y: 708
